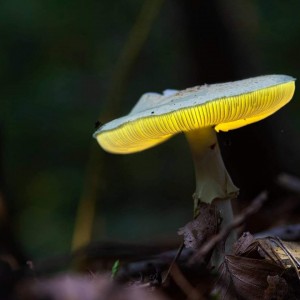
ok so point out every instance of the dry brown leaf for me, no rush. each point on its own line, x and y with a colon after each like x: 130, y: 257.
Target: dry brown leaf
x: 271, y: 248
x: 255, y: 269
x: 243, y: 277
x: 205, y: 225
x: 245, y: 246
x: 277, y: 288
x: 285, y: 253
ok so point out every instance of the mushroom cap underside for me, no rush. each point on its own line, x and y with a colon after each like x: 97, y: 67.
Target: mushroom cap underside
x: 225, y: 106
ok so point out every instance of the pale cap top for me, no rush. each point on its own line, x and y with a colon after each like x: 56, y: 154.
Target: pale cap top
x: 225, y: 106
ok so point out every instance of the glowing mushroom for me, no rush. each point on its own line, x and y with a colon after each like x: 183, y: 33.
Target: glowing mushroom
x: 199, y: 112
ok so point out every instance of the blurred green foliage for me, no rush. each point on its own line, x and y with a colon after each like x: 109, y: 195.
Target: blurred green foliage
x: 57, y: 59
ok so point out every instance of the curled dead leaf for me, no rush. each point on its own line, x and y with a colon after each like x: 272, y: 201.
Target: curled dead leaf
x: 284, y: 253
x: 205, y: 225
x: 245, y: 245
x: 257, y: 269
x: 277, y: 288
x: 243, y: 277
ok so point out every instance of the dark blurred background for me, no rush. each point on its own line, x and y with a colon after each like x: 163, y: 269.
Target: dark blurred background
x: 66, y: 64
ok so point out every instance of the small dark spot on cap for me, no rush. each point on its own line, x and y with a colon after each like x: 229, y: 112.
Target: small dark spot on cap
x: 212, y: 147
x: 98, y: 124
x: 152, y: 112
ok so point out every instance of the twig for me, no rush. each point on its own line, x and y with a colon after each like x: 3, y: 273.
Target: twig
x: 131, y: 50
x: 238, y: 220
x: 136, y: 40
x: 179, y: 251
x: 183, y: 283
x: 285, y: 232
x: 289, y: 182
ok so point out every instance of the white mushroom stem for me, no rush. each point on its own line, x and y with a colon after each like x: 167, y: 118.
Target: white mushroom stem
x: 213, y: 183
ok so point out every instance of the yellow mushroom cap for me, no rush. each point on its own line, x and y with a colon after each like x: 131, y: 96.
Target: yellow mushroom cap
x: 156, y: 118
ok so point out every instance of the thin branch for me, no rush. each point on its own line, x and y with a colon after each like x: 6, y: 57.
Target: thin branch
x: 131, y: 50
x: 136, y: 40
x: 176, y: 257
x: 223, y: 234
x: 289, y: 182
x: 285, y: 232
x: 183, y: 283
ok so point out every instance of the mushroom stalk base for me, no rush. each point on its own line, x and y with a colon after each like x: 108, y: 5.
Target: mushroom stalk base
x: 225, y: 209
x: 213, y: 183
